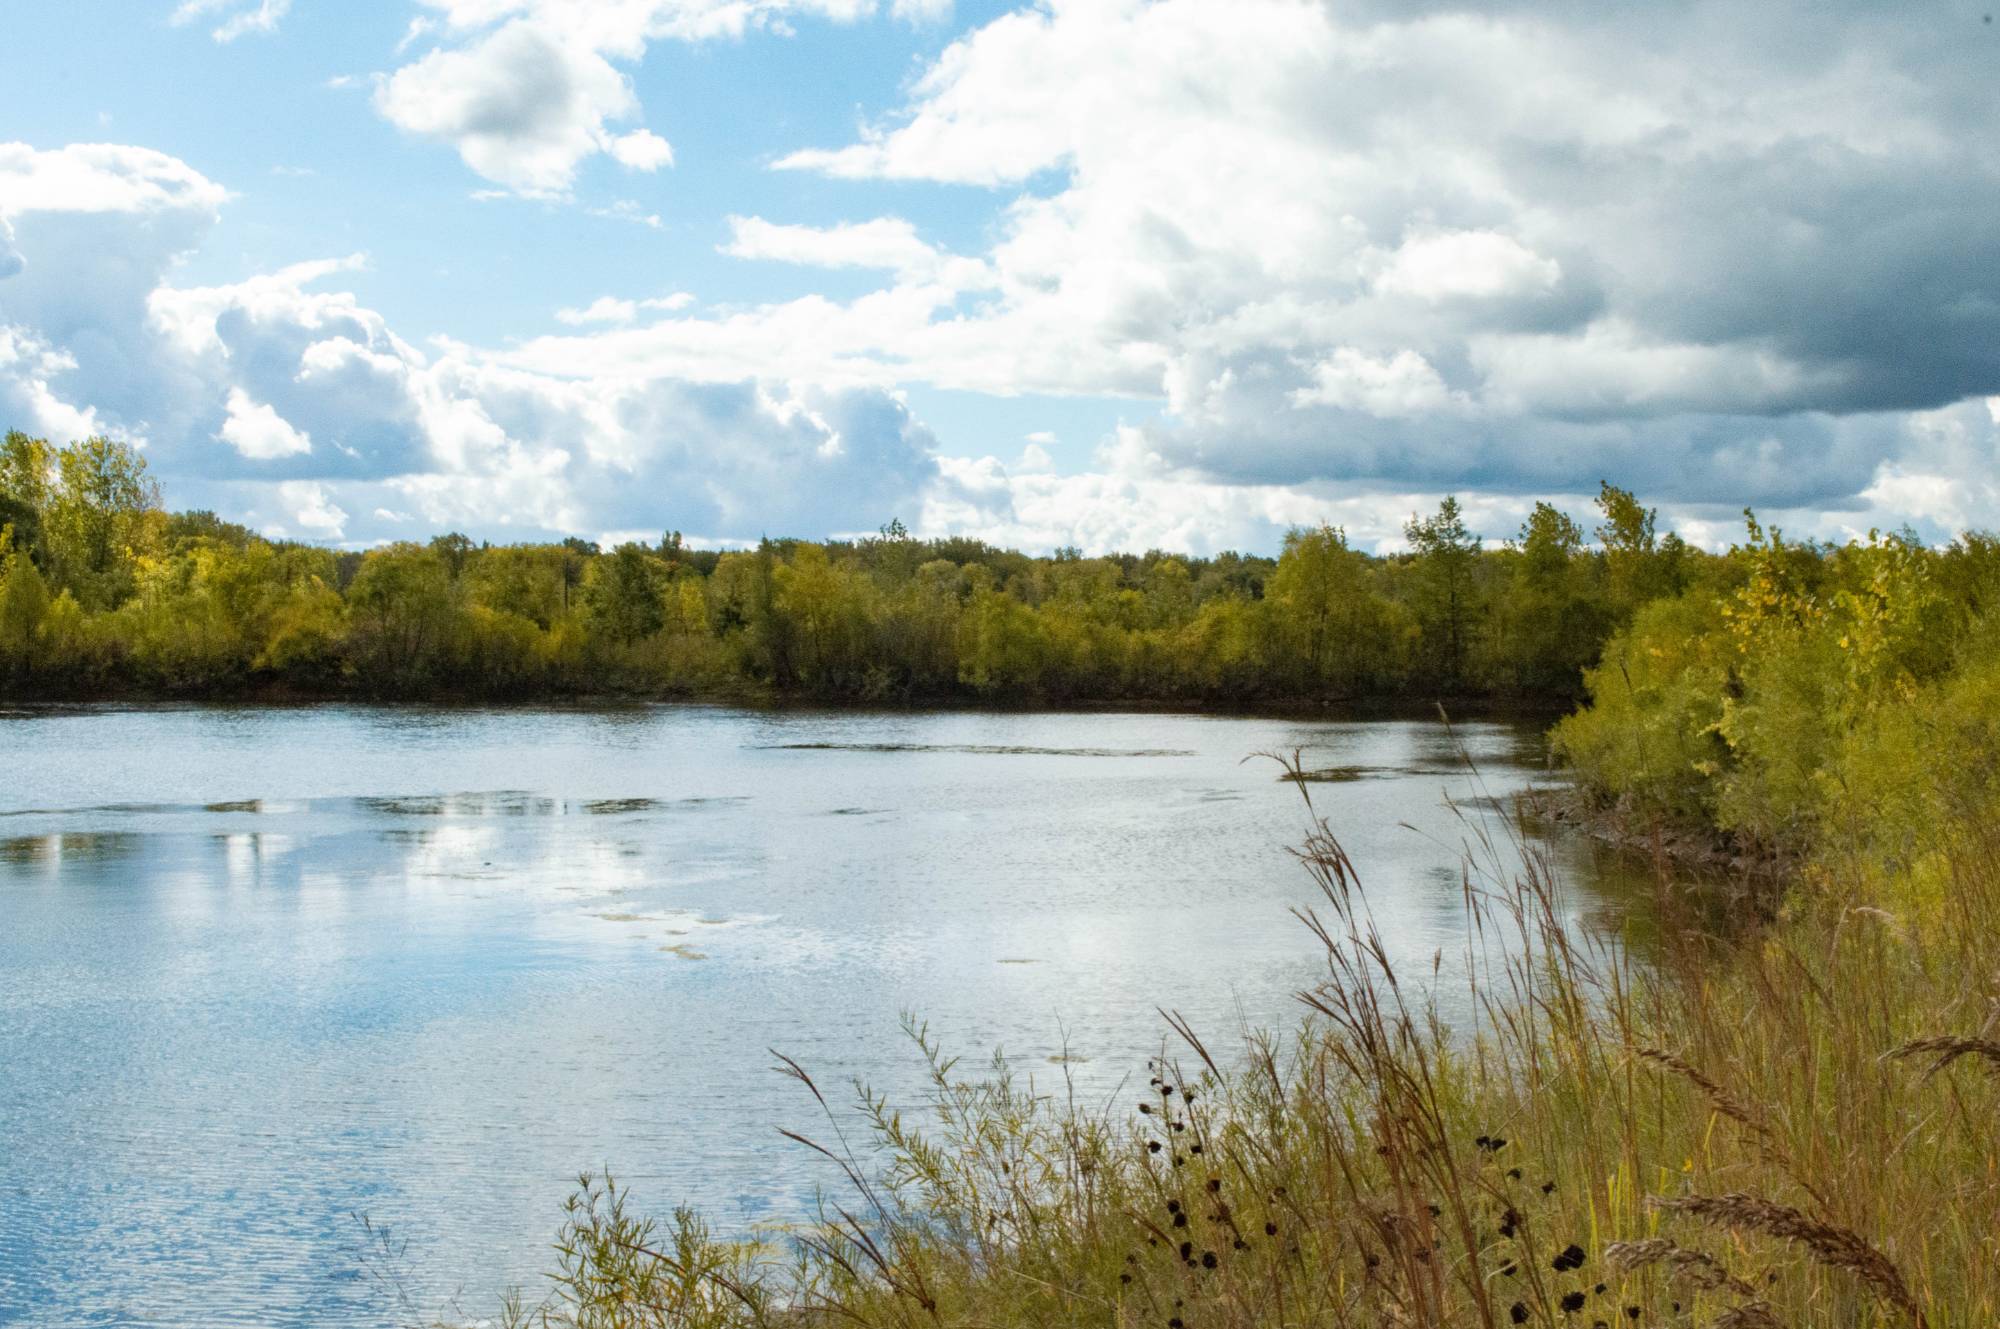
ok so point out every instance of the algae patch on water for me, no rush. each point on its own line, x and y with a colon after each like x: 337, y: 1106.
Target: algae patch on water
x: 976, y: 749
x: 1336, y: 774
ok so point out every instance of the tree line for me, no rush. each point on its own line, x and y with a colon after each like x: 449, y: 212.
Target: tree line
x: 105, y: 592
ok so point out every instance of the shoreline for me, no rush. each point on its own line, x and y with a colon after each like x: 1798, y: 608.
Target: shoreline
x: 1702, y: 850
x: 1452, y: 710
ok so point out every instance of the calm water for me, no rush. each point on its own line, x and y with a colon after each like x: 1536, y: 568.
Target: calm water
x: 262, y: 970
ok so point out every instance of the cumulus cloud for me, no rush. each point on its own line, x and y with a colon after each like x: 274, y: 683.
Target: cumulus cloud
x: 642, y: 150
x: 258, y: 432
x: 93, y: 228
x: 309, y: 512
x: 460, y: 440
x: 1403, y: 384
x: 1134, y: 498
x: 101, y: 178
x: 1718, y: 247
x: 527, y: 90
x: 28, y: 370
x: 523, y: 105
x: 886, y: 242
x: 11, y: 261
x: 1356, y: 254
x: 286, y: 400
x: 1466, y: 264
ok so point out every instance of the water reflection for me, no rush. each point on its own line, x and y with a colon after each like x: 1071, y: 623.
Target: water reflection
x: 264, y: 969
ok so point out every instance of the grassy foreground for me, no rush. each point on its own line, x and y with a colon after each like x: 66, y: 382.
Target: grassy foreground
x: 1797, y: 1124
x: 1798, y: 1130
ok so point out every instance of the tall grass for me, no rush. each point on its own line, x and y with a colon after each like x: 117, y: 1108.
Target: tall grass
x: 1798, y: 1127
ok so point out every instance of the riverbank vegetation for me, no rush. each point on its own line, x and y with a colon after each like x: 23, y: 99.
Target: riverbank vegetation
x: 1744, y: 1119
x: 104, y: 592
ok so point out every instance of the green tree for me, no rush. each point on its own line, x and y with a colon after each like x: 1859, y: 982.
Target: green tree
x: 826, y: 611
x: 1444, y: 553
x: 1169, y: 593
x: 1638, y: 567
x: 24, y: 603
x: 403, y: 616
x: 92, y: 518
x: 453, y: 550
x: 1329, y: 619
x: 533, y: 581
x: 625, y: 593
x: 1555, y: 623
x: 1002, y: 643
x: 27, y: 472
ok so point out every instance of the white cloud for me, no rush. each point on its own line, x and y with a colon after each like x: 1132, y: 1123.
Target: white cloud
x: 1403, y: 384
x: 523, y: 104
x: 99, y: 178
x: 1365, y: 242
x: 626, y: 210
x: 1473, y: 264
x: 311, y: 508
x: 258, y: 432
x: 887, y: 243
x: 189, y: 315
x: 1610, y: 368
x: 1034, y: 457
x: 243, y: 16
x: 1135, y: 499
x: 611, y: 309
x: 28, y: 368
x: 286, y: 400
x: 527, y: 90
x: 642, y: 150
x: 604, y: 309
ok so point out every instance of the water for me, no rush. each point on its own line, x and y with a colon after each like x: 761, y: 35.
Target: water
x: 263, y: 970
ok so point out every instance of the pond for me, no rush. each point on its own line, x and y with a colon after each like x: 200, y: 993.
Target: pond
x: 264, y: 970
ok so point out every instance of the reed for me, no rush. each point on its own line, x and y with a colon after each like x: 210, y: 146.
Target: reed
x: 1559, y: 1158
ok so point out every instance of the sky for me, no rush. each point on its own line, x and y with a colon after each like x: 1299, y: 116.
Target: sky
x: 1108, y: 273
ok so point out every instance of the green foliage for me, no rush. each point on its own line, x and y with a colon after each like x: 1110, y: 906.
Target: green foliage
x: 93, y: 520
x: 1650, y: 733
x: 624, y: 593
x: 1769, y: 699
x: 24, y: 605
x: 404, y: 616
x: 84, y: 512
x: 1638, y: 566
x: 1445, y: 554
x: 1556, y: 620
x: 27, y: 469
x: 1337, y: 629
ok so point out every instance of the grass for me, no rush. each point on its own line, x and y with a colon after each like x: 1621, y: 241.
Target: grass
x: 1797, y: 1127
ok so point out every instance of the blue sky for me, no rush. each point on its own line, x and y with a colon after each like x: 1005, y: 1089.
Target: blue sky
x: 1104, y: 272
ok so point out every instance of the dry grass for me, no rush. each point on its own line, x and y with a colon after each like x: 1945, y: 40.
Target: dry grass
x: 1550, y: 1162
